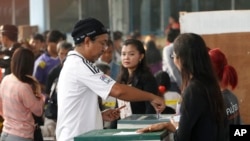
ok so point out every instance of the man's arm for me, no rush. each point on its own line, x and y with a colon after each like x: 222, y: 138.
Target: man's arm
x: 128, y: 93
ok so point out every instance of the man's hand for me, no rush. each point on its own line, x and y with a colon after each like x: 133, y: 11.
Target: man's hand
x: 158, y: 103
x: 111, y: 114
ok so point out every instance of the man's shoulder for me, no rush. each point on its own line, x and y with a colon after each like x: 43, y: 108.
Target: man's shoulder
x: 169, y: 46
x: 41, y: 61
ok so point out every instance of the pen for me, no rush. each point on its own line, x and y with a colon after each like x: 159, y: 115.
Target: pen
x: 117, y: 110
x: 158, y: 115
x: 121, y: 107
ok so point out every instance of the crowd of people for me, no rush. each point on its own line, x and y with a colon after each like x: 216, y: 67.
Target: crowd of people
x: 98, y: 80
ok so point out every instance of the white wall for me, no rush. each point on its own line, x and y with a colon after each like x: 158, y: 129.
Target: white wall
x: 215, y: 22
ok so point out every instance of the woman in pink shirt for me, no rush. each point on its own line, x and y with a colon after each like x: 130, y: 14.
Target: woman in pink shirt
x: 20, y: 96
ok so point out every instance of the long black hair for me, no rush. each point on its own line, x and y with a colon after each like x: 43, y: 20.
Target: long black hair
x: 195, y: 62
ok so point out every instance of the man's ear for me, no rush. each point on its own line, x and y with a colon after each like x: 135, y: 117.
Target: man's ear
x: 86, y: 42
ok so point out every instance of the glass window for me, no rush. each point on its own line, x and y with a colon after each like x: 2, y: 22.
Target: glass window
x: 63, y: 16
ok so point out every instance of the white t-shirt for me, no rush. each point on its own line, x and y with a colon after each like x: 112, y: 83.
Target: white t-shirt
x: 79, y: 85
x: 169, y: 66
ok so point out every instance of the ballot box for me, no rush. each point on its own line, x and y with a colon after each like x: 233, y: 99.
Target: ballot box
x: 121, y: 135
x: 142, y: 120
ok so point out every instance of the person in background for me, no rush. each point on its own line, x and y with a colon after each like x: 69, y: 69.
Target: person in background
x: 150, y: 37
x: 173, y: 23
x: 49, y: 59
x: 135, y: 73
x: 8, y: 38
x: 107, y: 57
x: 168, y: 63
x: 153, y: 57
x: 136, y: 35
x: 37, y: 43
x: 117, y: 42
x: 202, y: 113
x: 24, y: 42
x: 227, y: 77
x: 63, y: 47
x: 172, y: 98
x: 45, y: 36
x: 21, y: 93
x: 81, y: 82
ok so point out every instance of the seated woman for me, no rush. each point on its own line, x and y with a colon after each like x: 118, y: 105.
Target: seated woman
x: 202, y: 113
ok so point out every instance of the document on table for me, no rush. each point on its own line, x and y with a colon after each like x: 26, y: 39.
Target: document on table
x: 127, y: 133
x: 175, y: 117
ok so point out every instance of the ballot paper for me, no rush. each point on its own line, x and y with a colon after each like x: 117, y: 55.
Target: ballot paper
x: 126, y: 133
x: 176, y: 118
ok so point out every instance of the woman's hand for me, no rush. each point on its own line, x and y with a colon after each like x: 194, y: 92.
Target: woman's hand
x: 175, y: 124
x: 153, y: 127
x: 158, y: 127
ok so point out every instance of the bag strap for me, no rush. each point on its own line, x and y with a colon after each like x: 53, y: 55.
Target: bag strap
x: 53, y: 88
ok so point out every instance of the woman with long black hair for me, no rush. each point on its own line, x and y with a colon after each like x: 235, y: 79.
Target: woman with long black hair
x: 203, y: 116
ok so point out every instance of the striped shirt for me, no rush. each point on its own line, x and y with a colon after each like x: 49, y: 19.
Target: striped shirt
x: 17, y: 103
x: 79, y: 85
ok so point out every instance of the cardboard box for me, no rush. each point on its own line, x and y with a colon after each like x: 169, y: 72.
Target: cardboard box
x: 26, y: 31
x: 236, y: 47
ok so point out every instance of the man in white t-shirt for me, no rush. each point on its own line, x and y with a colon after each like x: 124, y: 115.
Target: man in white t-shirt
x: 80, y: 83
